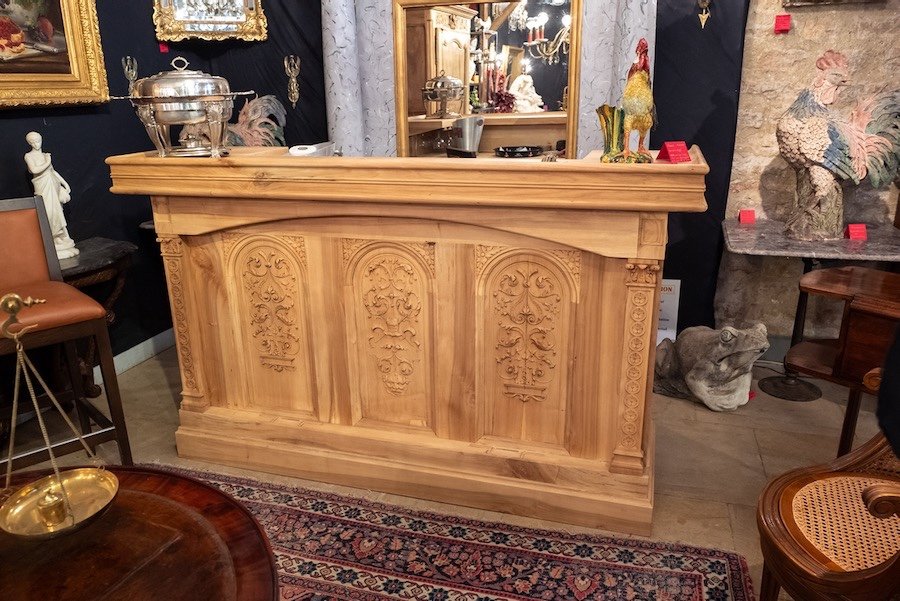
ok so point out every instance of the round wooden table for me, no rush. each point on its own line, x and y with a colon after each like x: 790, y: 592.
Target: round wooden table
x: 165, y: 536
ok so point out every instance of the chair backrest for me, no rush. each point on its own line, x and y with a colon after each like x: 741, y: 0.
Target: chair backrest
x: 27, y: 253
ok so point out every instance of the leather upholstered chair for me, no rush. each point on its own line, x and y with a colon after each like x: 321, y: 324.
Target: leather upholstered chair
x: 29, y: 267
x: 833, y: 531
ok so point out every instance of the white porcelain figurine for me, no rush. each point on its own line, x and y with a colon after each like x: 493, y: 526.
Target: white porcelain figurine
x: 527, y: 98
x: 55, y: 191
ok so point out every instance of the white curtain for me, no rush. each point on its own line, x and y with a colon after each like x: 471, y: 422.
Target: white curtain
x: 359, y: 68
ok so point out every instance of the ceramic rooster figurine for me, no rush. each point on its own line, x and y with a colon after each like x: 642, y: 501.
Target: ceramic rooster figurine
x: 824, y: 148
x: 637, y: 102
x: 260, y: 123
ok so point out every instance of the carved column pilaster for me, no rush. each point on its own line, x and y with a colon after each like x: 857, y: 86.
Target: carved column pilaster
x: 172, y: 250
x: 642, y: 285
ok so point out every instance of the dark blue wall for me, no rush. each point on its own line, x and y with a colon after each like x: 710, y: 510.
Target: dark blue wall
x: 80, y: 138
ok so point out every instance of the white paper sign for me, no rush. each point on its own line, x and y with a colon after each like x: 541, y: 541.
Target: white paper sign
x: 669, y: 293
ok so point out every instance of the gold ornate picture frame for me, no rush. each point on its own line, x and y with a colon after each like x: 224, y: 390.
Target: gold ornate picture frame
x: 209, y: 20
x: 51, y: 54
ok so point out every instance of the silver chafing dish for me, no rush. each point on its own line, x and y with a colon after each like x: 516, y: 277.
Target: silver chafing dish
x: 442, y: 90
x: 201, y: 102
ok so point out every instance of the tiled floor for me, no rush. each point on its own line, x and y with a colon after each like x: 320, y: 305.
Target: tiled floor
x: 710, y: 467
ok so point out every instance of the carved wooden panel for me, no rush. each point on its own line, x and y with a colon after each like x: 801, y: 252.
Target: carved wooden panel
x: 272, y: 317
x: 388, y: 309
x: 525, y: 344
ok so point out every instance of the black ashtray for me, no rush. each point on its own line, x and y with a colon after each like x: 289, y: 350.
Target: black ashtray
x: 518, y: 152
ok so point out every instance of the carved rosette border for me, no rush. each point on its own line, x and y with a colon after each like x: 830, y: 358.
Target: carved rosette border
x: 641, y: 280
x: 172, y: 250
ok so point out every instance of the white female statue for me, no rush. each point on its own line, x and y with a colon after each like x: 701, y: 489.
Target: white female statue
x: 527, y: 98
x: 55, y: 191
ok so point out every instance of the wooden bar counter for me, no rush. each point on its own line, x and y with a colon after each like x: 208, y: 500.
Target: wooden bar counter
x: 478, y: 332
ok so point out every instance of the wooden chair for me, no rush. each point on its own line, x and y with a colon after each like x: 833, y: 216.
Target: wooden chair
x: 871, y: 314
x: 833, y: 531
x: 30, y: 268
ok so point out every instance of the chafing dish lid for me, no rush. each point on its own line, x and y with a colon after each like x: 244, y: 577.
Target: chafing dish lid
x: 443, y: 82
x: 181, y: 83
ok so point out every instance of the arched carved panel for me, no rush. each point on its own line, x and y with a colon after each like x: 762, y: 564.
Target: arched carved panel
x: 526, y: 342
x: 272, y: 317
x: 389, y: 321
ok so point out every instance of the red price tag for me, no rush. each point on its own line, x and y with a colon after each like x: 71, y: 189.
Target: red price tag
x: 856, y: 231
x: 782, y: 23
x: 163, y: 47
x: 747, y: 216
x: 674, y: 152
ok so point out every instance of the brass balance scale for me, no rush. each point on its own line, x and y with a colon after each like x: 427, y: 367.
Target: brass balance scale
x: 63, y: 501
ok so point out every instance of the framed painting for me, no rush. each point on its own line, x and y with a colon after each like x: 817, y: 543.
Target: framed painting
x: 50, y: 53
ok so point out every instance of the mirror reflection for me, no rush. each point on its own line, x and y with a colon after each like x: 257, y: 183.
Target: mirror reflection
x: 209, y: 19
x: 507, y: 62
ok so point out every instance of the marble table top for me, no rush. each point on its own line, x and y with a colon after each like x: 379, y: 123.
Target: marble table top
x: 767, y: 238
x: 96, y: 253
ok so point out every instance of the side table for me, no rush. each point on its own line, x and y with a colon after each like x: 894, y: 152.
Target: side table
x: 164, y: 536
x: 767, y: 238
x: 100, y: 260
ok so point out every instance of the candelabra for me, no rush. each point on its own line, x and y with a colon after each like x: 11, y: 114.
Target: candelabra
x: 549, y: 51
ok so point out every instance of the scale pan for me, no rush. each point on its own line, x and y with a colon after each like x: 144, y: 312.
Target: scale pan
x: 90, y: 492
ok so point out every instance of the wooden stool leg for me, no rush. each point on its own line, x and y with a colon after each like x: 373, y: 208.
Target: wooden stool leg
x: 111, y: 384
x: 77, y: 388
x: 769, y: 587
x: 848, y: 431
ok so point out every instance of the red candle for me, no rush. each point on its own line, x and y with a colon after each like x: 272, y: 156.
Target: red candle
x: 530, y: 35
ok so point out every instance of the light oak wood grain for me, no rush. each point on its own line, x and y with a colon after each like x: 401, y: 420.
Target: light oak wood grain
x: 413, y: 326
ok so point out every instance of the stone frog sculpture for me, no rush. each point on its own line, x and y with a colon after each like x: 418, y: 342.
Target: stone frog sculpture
x: 712, y: 366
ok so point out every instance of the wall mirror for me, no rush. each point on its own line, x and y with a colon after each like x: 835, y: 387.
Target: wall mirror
x: 513, y: 63
x: 209, y: 19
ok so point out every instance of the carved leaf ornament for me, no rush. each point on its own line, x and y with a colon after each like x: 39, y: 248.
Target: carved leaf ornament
x: 392, y: 311
x: 271, y: 285
x: 527, y: 304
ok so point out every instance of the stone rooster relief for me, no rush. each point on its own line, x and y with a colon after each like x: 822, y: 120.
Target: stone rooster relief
x: 825, y: 148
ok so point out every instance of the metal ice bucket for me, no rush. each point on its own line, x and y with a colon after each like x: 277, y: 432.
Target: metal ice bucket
x: 465, y: 135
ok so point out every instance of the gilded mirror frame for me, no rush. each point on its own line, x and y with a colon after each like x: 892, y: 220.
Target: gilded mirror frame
x: 253, y: 27
x: 400, y: 69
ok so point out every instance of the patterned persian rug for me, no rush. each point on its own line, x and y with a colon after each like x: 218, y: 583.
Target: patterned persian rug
x: 331, y: 547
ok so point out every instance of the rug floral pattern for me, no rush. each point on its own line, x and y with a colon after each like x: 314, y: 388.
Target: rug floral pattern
x: 332, y: 547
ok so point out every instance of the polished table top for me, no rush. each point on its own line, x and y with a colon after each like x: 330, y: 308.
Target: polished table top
x: 164, y: 536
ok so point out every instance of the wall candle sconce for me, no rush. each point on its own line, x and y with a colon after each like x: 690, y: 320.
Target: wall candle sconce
x: 292, y: 69
x: 704, y: 12
x: 130, y: 67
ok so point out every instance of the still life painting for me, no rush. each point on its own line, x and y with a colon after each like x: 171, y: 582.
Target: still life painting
x: 50, y: 53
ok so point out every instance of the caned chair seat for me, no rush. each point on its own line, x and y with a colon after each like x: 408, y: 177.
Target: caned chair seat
x: 832, y: 518
x: 818, y: 537
x: 65, y: 305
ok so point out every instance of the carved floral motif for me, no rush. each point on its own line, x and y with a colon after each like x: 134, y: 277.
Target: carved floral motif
x: 640, y: 273
x: 527, y: 304
x: 271, y: 286
x: 393, y: 310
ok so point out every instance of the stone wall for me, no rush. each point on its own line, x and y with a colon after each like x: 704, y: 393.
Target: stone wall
x: 776, y: 68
